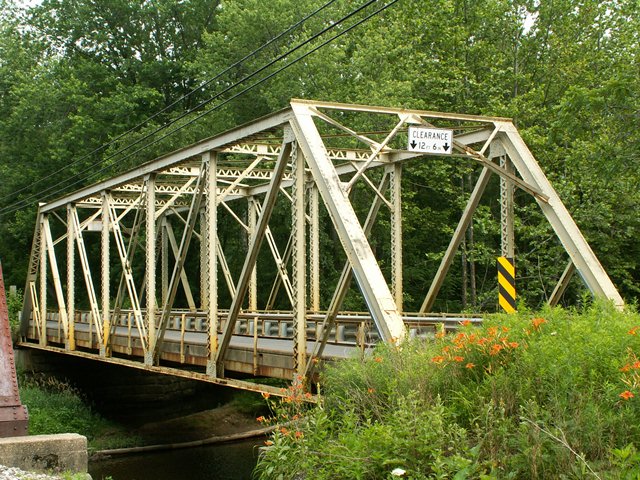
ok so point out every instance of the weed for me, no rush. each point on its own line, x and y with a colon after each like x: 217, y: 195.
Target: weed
x: 546, y: 395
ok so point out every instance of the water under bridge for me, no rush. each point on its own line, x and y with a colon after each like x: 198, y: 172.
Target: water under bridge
x: 133, y: 270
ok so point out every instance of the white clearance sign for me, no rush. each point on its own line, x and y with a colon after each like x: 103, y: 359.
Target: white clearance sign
x: 430, y: 140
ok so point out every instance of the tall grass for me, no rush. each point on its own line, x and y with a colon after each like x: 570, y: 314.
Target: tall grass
x: 54, y: 406
x: 548, y: 395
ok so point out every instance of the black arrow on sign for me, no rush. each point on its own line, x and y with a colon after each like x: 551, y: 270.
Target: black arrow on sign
x: 446, y: 147
x: 413, y: 144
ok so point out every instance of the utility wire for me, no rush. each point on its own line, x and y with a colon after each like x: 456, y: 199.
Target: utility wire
x: 51, y: 188
x: 206, y: 112
x: 242, y: 92
x: 176, y: 102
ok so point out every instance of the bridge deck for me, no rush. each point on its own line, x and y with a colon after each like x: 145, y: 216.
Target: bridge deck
x: 261, y: 346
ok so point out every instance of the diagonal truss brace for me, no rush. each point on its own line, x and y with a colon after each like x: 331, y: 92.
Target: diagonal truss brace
x: 369, y: 277
x: 250, y: 260
x: 125, y: 260
x: 579, y: 251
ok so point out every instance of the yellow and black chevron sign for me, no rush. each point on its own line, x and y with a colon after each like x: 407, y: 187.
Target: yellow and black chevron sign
x: 507, y: 284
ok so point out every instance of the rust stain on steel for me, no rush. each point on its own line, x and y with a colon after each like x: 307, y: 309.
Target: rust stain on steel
x: 13, y: 415
x: 229, y: 382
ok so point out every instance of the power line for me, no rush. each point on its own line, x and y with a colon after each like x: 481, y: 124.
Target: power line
x: 10, y: 209
x: 176, y: 102
x: 55, y: 190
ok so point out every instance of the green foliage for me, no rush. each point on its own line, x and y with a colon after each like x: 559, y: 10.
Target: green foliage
x: 54, y: 406
x: 14, y: 305
x: 75, y: 74
x: 551, y: 395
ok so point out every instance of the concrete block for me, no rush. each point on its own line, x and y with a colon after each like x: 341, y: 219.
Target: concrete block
x: 51, y: 453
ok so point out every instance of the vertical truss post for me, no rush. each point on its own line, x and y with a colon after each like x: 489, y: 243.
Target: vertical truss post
x: 299, y: 262
x: 507, y: 236
x: 105, y: 269
x: 71, y: 285
x: 204, y: 260
x: 456, y: 239
x: 151, y: 265
x: 43, y: 283
x: 395, y: 191
x: 252, y: 214
x: 211, y: 215
x: 254, y: 248
x: 314, y: 249
x: 372, y: 284
x: 164, y: 259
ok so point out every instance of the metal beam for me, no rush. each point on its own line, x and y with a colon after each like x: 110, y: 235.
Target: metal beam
x: 126, y: 255
x: 150, y: 259
x: 558, y: 216
x: 343, y: 283
x: 562, y: 284
x: 213, y: 245
x: 55, y: 277
x: 455, y: 241
x: 396, y: 233
x: 105, y: 267
x: 298, y: 265
x: 71, y: 282
x: 374, y: 288
x: 194, y: 212
x: 173, y: 159
x: 250, y: 260
x: 86, y: 272
x: 183, y: 275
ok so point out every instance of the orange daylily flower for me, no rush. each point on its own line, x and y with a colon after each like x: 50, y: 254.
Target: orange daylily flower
x: 633, y: 331
x: 536, y: 322
x: 458, y: 359
x: 470, y: 365
x: 438, y: 359
x: 268, y: 443
x: 266, y: 395
x: 495, y: 349
x: 459, y: 337
x: 514, y: 344
x: 299, y: 434
x: 465, y: 323
x: 260, y: 419
x: 626, y: 395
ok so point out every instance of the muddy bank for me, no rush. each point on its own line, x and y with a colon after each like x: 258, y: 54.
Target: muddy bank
x: 224, y: 420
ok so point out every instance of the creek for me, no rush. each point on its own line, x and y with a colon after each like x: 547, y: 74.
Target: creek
x: 230, y: 461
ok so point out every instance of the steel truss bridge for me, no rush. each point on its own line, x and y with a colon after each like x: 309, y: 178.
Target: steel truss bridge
x: 133, y: 266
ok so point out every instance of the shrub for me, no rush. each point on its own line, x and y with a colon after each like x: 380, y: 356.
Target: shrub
x: 549, y: 395
x: 14, y: 305
x: 54, y: 406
